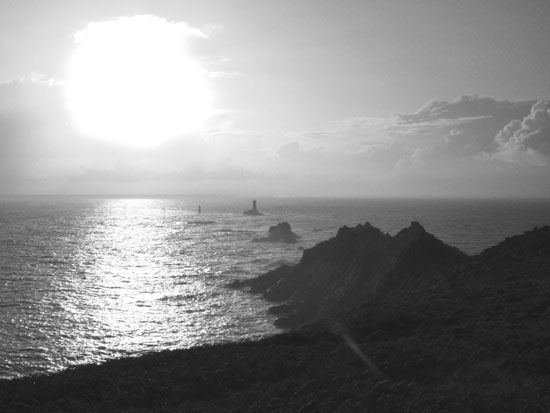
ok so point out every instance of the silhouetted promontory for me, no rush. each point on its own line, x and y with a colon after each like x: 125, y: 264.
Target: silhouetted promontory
x: 437, y: 331
x: 358, y: 264
x: 279, y: 233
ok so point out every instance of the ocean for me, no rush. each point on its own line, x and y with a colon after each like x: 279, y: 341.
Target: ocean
x: 85, y: 279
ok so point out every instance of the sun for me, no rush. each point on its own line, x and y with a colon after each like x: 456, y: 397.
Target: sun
x: 132, y: 81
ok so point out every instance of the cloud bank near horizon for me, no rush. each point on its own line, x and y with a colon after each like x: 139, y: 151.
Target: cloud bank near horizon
x: 470, y: 146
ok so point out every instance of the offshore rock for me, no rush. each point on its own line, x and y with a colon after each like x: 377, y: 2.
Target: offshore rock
x: 279, y: 233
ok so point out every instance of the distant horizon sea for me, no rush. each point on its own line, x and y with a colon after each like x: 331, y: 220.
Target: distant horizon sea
x: 84, y: 279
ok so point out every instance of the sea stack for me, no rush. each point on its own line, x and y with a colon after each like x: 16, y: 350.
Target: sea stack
x: 253, y: 211
x: 279, y: 233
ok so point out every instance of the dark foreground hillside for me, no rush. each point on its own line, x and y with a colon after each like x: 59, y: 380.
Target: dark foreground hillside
x: 475, y: 338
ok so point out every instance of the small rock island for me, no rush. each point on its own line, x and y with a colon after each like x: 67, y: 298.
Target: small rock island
x: 279, y: 233
x: 254, y: 211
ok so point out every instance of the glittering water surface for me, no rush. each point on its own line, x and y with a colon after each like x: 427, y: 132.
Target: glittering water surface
x: 87, y: 279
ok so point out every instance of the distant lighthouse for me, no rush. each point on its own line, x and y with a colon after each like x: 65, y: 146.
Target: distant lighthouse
x: 253, y: 211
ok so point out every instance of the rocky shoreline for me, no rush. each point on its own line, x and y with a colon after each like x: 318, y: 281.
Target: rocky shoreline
x: 388, y: 323
x: 358, y: 265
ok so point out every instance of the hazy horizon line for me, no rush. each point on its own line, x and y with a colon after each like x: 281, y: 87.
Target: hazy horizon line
x: 262, y: 197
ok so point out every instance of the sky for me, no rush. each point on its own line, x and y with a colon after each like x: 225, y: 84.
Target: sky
x: 343, y: 98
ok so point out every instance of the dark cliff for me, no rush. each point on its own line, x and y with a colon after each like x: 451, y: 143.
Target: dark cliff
x: 357, y: 265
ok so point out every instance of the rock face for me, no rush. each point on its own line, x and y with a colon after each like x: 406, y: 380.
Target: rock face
x: 357, y: 265
x: 279, y: 233
x: 254, y: 211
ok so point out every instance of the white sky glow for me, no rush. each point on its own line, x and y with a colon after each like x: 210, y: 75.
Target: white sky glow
x: 131, y: 81
x: 302, y: 98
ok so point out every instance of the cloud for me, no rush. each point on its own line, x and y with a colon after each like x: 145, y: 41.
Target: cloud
x: 35, y: 77
x: 527, y: 140
x: 124, y: 172
x: 440, y: 131
x: 139, y: 25
x: 463, y: 128
x: 465, y: 107
x: 212, y: 29
x: 356, y: 137
x: 470, y: 146
x: 30, y: 114
x: 444, y: 133
x: 416, y: 153
x: 42, y: 151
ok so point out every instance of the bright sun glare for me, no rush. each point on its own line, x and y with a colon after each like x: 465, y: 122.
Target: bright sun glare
x: 132, y: 81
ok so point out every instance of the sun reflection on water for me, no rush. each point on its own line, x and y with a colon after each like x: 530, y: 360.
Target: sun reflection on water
x: 149, y: 278
x: 88, y: 279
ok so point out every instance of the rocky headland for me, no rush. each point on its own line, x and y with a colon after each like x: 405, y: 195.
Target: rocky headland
x: 398, y: 323
x: 356, y: 266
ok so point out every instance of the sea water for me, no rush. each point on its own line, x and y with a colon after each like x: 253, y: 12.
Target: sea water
x: 85, y: 279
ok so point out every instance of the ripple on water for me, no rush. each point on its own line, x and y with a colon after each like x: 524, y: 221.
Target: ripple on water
x: 87, y: 279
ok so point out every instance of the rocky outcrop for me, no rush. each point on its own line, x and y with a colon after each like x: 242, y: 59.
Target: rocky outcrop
x: 357, y: 265
x: 476, y: 339
x: 254, y: 211
x: 279, y: 233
